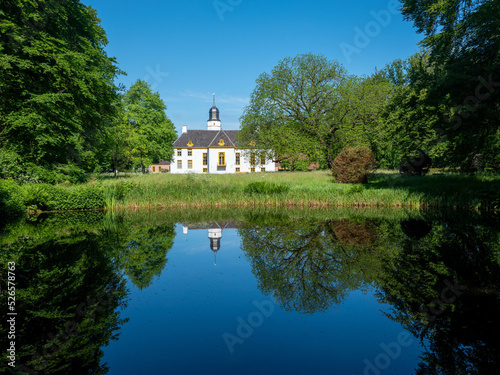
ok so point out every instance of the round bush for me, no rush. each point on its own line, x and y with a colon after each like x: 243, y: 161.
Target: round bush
x: 415, y: 165
x: 353, y: 165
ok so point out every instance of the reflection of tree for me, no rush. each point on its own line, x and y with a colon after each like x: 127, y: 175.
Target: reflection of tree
x: 144, y: 254
x: 67, y: 294
x: 70, y: 284
x: 302, y: 263
x: 445, y: 288
x: 352, y: 233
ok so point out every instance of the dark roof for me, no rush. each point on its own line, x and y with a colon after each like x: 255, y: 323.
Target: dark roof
x: 210, y: 114
x: 207, y: 138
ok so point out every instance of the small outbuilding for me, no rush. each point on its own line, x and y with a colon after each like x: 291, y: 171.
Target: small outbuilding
x: 162, y: 167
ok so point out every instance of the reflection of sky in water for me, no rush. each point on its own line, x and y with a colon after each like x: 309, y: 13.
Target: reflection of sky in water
x: 177, y: 324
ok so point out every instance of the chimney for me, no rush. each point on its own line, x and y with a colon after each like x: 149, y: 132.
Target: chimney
x: 184, y: 129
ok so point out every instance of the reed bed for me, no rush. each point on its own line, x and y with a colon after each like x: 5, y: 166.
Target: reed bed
x: 301, y: 190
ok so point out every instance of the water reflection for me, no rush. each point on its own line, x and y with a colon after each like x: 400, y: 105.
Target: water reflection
x: 440, y: 275
x: 445, y: 288
x: 307, y: 265
x: 214, y: 233
x: 68, y: 291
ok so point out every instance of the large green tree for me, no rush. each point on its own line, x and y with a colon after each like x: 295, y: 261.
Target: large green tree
x: 407, y: 122
x: 299, y: 107
x: 463, y: 39
x: 56, y: 83
x: 147, y: 130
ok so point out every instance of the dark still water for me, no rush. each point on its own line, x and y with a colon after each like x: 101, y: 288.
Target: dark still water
x: 253, y: 292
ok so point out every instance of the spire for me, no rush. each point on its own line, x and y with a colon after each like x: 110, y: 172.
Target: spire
x: 213, y: 122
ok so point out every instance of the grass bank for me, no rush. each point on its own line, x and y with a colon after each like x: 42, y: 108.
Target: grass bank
x: 302, y: 189
x: 284, y: 189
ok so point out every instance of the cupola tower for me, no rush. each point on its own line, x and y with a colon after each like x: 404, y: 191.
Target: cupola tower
x: 213, y: 122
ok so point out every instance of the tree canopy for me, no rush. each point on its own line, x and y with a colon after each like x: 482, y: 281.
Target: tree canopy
x: 147, y: 132
x: 57, y: 92
x: 463, y: 42
x: 299, y: 107
x: 310, y: 106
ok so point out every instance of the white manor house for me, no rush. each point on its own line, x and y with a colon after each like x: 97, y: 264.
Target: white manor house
x: 214, y: 151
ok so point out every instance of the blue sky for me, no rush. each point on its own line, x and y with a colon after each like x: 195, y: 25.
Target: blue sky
x: 189, y: 49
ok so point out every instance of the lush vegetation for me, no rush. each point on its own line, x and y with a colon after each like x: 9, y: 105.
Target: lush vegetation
x: 144, y: 134
x: 63, y: 121
x: 443, y: 102
x: 285, y: 189
x: 61, y: 115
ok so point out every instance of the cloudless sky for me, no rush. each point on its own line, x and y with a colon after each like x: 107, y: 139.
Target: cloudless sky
x: 189, y: 49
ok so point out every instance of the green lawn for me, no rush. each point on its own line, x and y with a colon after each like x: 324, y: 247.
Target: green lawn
x: 305, y: 189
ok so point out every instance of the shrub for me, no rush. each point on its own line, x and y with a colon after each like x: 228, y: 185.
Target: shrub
x: 353, y: 165
x: 415, y: 165
x: 80, y: 197
x: 355, y: 189
x: 11, y: 202
x: 36, y: 196
x: 301, y: 164
x: 262, y: 187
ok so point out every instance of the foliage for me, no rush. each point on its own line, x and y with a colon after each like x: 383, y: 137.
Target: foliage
x: 264, y: 187
x: 353, y: 165
x: 407, y: 121
x: 415, y: 165
x: 143, y: 133
x: 57, y: 91
x: 36, y: 196
x: 298, y: 108
x: 490, y: 196
x: 301, y: 164
x: 79, y: 197
x: 461, y: 86
x: 11, y: 200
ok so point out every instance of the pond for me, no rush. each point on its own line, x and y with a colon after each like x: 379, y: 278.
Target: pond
x: 253, y: 292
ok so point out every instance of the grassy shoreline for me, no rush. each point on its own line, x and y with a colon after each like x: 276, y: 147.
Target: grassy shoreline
x: 306, y: 189
x: 283, y: 190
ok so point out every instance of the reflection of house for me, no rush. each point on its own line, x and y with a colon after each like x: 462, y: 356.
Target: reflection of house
x: 214, y: 233
x: 214, y: 151
x: 162, y: 166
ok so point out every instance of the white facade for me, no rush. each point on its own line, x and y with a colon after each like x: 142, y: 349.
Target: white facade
x: 191, y: 160
x: 214, y: 151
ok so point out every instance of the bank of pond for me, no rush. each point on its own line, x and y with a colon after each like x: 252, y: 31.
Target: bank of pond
x: 288, y: 189
x: 343, y: 290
